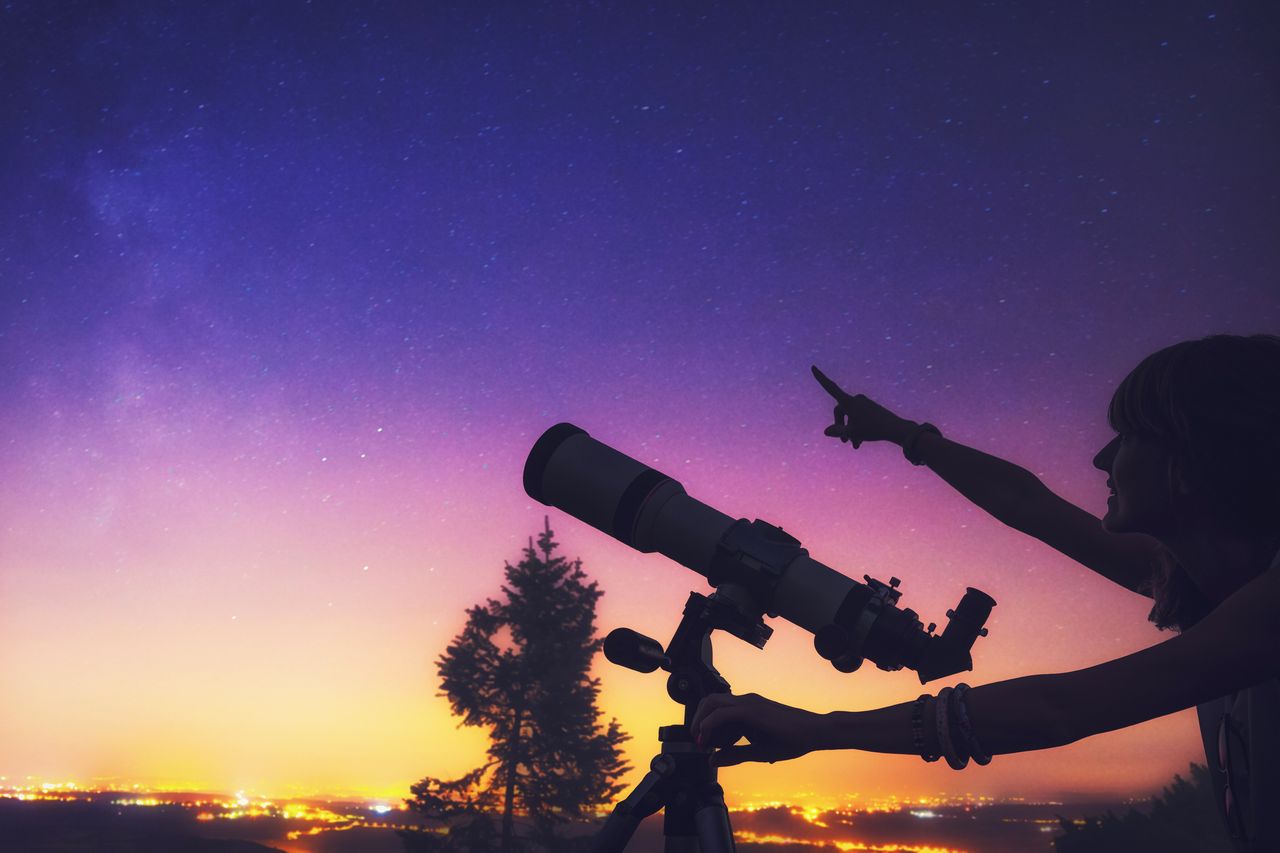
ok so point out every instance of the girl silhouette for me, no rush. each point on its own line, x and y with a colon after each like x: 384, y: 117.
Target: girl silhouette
x: 1192, y: 521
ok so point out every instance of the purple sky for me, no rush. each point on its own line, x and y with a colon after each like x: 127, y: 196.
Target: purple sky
x: 288, y: 291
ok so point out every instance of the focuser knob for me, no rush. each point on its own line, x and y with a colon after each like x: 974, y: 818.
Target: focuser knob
x: 885, y: 592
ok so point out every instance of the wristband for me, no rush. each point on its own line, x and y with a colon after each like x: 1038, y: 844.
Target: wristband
x: 913, y: 437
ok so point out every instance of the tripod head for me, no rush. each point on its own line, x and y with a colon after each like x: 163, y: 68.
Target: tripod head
x: 680, y: 780
x: 688, y: 655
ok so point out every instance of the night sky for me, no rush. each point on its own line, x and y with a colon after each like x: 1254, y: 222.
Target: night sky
x: 288, y: 291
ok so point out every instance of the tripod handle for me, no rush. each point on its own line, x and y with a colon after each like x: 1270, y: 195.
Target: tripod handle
x: 628, y: 648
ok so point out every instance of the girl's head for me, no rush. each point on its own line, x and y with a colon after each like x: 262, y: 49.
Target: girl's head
x: 1199, y: 442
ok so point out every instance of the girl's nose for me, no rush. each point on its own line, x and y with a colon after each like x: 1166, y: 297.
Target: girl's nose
x: 1103, y: 460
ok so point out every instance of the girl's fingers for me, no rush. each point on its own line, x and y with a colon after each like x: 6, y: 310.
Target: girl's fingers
x: 716, y: 723
x: 842, y: 433
x: 827, y: 385
x: 705, y: 708
x: 732, y: 755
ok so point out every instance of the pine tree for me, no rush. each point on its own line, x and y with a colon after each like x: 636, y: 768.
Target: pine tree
x: 520, y: 667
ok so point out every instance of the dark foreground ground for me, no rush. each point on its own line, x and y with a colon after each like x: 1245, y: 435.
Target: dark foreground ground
x: 72, y: 827
x: 103, y: 827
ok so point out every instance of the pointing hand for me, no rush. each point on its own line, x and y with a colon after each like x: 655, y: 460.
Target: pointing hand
x: 859, y: 418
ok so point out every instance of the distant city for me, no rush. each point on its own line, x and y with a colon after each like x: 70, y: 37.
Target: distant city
x: 297, y: 817
x: 70, y: 813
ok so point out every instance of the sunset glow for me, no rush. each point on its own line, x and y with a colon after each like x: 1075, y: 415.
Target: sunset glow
x: 287, y: 296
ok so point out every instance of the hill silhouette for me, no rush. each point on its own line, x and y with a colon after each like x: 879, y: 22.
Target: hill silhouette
x: 58, y: 827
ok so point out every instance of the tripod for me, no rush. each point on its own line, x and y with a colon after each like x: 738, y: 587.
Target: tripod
x: 680, y: 780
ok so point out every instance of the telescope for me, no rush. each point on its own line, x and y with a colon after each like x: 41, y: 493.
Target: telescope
x: 756, y: 568
x: 763, y: 569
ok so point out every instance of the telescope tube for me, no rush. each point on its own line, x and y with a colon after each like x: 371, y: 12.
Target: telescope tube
x: 650, y: 511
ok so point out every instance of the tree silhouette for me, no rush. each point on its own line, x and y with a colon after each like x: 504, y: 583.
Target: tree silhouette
x: 1183, y: 818
x: 520, y: 667
x: 446, y: 801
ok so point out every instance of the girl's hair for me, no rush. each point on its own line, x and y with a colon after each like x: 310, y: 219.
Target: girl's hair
x: 1215, y: 403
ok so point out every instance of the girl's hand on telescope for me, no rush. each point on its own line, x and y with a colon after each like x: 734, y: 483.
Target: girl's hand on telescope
x: 776, y: 732
x: 859, y: 418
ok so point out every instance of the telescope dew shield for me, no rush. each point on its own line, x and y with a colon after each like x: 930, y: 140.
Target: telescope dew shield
x: 632, y: 502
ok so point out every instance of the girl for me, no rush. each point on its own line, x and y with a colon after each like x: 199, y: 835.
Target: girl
x: 1192, y: 521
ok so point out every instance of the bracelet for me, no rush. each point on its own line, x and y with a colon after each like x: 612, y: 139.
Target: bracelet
x: 909, y: 444
x: 917, y: 727
x: 965, y: 727
x: 942, y: 720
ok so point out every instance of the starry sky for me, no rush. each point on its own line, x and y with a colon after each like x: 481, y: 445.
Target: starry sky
x: 288, y: 291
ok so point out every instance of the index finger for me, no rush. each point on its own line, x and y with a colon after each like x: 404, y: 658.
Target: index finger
x: 827, y: 385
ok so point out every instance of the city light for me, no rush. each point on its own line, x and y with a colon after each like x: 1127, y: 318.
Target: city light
x: 841, y: 845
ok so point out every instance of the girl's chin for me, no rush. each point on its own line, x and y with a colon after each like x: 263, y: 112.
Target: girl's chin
x: 1112, y: 522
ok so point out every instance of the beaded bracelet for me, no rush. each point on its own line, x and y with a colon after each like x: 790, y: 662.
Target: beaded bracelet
x: 942, y: 721
x: 917, y: 727
x: 965, y: 728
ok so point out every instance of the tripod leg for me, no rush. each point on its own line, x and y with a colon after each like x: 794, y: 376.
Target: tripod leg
x: 680, y: 844
x: 712, y: 819
x: 644, y: 799
x: 616, y: 832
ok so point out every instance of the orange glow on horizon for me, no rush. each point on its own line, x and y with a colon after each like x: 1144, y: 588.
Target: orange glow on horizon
x: 842, y: 845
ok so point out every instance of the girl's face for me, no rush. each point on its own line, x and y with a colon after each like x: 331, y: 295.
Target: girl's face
x: 1141, y: 498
